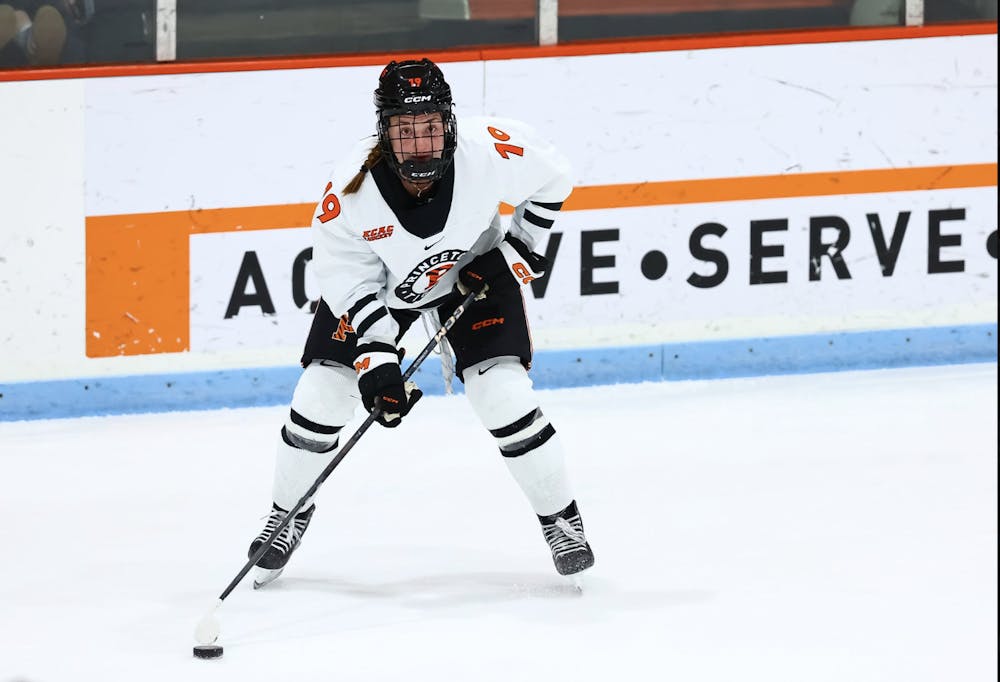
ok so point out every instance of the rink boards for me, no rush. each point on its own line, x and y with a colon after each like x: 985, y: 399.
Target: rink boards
x: 762, y: 209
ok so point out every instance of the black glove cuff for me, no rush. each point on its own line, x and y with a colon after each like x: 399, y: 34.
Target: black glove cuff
x: 537, y: 262
x: 375, y: 347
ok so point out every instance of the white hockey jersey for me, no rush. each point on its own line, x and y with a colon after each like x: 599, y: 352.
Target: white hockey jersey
x: 364, y: 258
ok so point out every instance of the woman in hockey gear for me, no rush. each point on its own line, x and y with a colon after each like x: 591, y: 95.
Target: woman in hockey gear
x: 402, y: 236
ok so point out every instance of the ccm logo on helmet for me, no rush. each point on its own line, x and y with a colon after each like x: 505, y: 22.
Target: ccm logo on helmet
x: 413, y: 99
x: 482, y: 324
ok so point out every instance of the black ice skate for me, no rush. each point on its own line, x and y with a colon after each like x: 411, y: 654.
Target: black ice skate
x: 564, y: 532
x: 273, y: 561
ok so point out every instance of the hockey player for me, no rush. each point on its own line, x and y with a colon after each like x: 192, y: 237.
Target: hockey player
x: 416, y: 225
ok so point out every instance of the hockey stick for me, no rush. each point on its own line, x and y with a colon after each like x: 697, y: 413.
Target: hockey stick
x: 208, y: 628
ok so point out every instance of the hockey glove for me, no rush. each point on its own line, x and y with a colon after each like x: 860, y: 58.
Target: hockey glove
x: 507, y: 267
x: 381, y: 383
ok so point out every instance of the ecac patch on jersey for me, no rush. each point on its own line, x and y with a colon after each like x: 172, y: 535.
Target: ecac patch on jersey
x: 426, y: 275
x: 377, y: 233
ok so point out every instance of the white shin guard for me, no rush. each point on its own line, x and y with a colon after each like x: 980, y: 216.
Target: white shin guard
x: 324, y: 400
x: 501, y: 395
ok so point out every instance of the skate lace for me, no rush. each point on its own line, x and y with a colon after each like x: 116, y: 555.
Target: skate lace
x: 289, y: 536
x: 565, y: 536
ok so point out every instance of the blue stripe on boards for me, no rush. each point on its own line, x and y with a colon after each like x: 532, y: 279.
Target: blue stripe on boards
x: 552, y: 369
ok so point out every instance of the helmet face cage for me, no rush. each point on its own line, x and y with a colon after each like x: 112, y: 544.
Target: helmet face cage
x: 413, y: 88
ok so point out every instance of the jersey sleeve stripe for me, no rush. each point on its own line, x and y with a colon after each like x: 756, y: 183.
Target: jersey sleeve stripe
x: 376, y: 347
x: 537, y: 221
x: 355, y: 309
x: 552, y: 206
x: 371, y: 319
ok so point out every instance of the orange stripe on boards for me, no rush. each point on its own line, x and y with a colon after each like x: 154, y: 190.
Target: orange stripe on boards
x: 138, y: 265
x: 781, y: 186
x: 208, y: 220
x: 714, y: 190
x: 138, y: 282
x: 137, y: 288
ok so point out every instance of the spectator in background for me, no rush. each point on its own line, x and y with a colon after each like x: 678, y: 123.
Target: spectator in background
x: 38, y: 33
x: 10, y: 52
x: 877, y: 13
x: 890, y: 12
x: 983, y: 9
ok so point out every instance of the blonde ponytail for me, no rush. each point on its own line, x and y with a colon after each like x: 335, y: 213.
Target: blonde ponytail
x: 374, y: 156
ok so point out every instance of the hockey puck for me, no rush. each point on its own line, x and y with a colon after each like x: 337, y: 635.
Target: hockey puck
x: 208, y: 651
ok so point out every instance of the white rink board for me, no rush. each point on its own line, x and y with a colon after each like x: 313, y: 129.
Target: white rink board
x: 673, y: 308
x: 117, y: 146
x: 232, y: 139
x: 607, y: 248
x: 246, y: 139
x: 215, y: 262
x: 41, y: 229
x: 760, y: 111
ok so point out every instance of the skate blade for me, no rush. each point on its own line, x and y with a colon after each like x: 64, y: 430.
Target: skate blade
x: 265, y: 576
x: 577, y: 581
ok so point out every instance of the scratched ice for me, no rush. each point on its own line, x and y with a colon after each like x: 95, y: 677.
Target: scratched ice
x: 816, y: 527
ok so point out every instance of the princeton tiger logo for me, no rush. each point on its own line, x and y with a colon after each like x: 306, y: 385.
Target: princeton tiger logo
x: 426, y: 275
x: 343, y: 329
x: 437, y: 273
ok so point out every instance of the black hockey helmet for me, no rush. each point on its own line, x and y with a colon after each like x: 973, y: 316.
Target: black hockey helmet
x: 415, y: 87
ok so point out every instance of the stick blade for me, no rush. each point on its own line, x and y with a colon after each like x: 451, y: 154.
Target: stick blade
x: 207, y: 630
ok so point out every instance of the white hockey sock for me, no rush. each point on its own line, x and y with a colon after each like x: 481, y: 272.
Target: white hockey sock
x: 294, y: 471
x: 322, y: 403
x: 503, y: 399
x: 541, y: 472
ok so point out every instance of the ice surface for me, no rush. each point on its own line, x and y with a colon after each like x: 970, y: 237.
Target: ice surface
x: 837, y: 527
